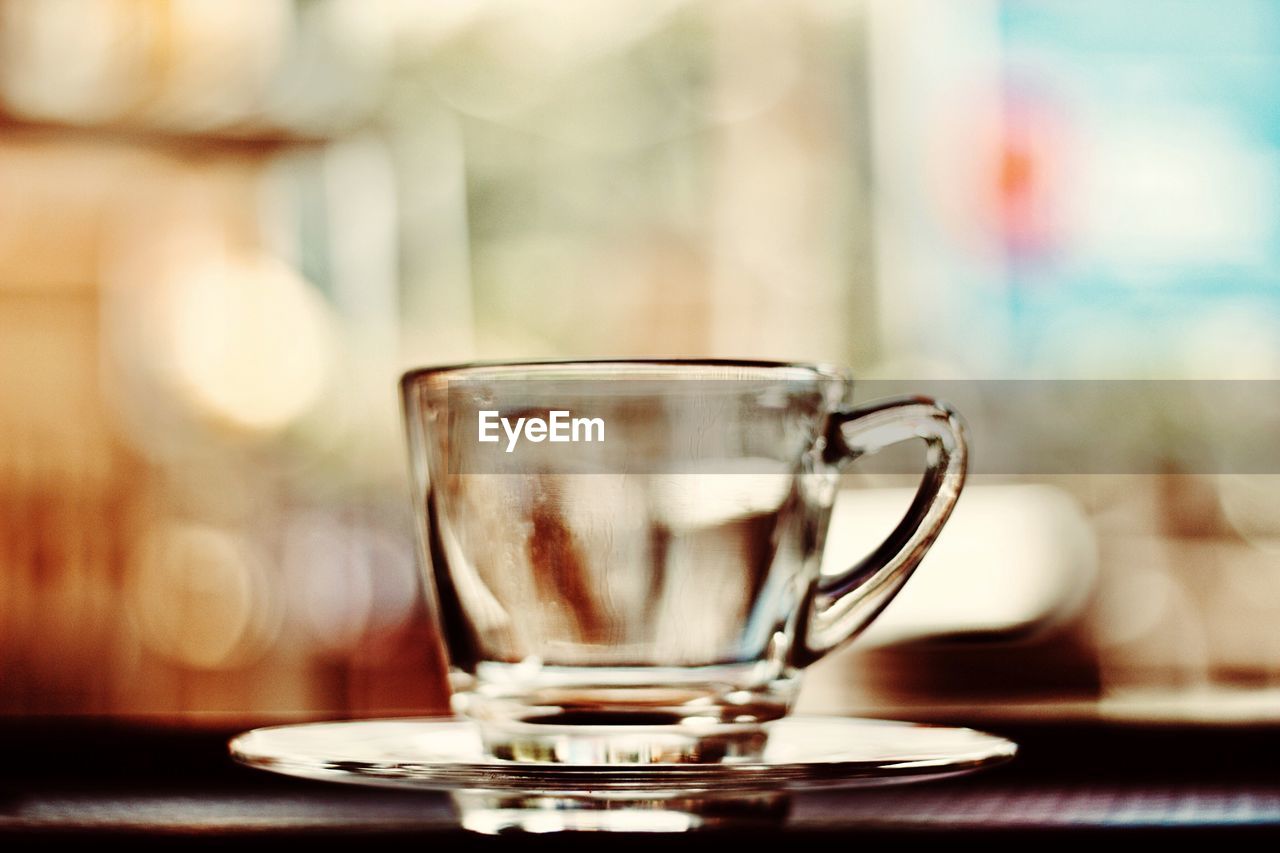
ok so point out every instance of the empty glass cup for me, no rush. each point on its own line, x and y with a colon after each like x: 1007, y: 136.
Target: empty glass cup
x: 624, y: 555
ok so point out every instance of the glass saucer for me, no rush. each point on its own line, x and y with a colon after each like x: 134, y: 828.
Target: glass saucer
x: 493, y: 794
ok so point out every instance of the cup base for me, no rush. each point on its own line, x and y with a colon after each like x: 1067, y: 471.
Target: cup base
x: 620, y: 743
x: 613, y: 726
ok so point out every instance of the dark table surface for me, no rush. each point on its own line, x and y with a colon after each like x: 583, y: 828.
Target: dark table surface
x: 74, y: 779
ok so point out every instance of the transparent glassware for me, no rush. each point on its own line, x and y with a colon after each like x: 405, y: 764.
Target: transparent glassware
x: 493, y: 795
x: 651, y: 597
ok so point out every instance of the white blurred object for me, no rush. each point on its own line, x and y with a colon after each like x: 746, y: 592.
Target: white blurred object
x: 1012, y: 558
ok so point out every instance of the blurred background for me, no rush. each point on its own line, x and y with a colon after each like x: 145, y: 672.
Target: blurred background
x: 227, y: 227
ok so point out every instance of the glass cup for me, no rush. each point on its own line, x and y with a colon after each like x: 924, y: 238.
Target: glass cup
x: 624, y: 555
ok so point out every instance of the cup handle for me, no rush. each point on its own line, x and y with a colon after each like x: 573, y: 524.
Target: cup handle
x: 837, y: 608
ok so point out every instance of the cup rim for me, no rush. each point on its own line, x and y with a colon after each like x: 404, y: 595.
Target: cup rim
x: 820, y: 370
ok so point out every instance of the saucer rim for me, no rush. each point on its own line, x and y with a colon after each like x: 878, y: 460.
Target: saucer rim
x: 493, y: 774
